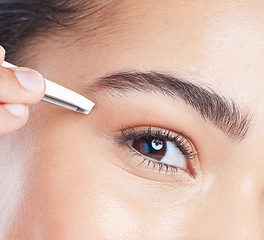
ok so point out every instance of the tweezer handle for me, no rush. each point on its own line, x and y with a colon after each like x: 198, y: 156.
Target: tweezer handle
x: 63, y: 97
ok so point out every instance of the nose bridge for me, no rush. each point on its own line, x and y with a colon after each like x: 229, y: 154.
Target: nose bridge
x: 236, y: 212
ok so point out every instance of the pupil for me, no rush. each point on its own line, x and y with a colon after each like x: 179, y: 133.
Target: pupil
x: 156, y: 144
x: 151, y: 147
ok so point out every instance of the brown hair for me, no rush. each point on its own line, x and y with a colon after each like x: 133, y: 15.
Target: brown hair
x: 24, y: 20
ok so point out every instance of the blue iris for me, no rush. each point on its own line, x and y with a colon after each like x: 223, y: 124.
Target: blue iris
x: 148, y: 148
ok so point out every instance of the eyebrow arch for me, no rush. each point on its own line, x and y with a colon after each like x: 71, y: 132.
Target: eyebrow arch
x: 224, y: 114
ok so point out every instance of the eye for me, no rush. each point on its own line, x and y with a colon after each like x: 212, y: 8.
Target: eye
x: 161, y: 150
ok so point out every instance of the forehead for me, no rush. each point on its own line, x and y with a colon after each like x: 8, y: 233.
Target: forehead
x: 219, y: 43
x: 216, y: 43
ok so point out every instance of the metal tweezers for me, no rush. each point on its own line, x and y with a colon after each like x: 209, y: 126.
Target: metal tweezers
x: 63, y: 97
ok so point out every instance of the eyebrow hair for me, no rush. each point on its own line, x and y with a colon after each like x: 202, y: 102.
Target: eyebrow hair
x: 224, y: 114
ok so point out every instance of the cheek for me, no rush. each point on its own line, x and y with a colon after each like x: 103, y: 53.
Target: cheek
x: 68, y: 191
x: 73, y: 190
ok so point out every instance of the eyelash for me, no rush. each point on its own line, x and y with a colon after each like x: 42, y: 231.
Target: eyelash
x: 166, y: 135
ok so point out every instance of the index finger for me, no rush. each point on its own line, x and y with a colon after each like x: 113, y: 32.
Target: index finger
x: 2, y: 55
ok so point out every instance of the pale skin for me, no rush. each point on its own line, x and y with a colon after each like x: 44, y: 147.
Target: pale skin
x: 63, y: 174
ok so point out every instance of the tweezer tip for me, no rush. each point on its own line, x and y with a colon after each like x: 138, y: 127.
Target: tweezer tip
x: 80, y: 110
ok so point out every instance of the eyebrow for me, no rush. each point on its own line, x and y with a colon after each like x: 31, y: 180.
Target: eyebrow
x: 225, y: 114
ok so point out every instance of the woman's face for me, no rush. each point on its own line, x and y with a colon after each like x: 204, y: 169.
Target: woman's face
x: 171, y: 156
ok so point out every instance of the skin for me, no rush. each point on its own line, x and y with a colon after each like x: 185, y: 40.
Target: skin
x: 64, y: 176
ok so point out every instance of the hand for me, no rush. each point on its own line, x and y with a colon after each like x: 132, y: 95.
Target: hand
x: 18, y: 88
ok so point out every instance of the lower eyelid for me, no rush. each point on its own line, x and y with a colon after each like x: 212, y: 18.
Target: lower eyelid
x: 158, y: 166
x: 146, y: 168
x: 151, y: 162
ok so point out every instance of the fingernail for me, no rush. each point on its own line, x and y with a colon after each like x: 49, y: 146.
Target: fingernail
x: 2, y: 51
x: 31, y: 80
x: 19, y: 110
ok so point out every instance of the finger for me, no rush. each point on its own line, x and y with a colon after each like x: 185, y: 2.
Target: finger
x: 12, y: 117
x: 2, y: 55
x: 21, y: 85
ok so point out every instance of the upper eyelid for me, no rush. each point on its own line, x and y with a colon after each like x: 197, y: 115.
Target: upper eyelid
x: 165, y: 134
